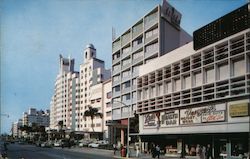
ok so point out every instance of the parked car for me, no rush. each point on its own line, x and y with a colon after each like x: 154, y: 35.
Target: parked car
x: 84, y: 143
x: 57, y: 144
x: 93, y: 145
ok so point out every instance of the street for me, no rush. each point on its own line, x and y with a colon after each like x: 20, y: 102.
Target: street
x: 16, y: 151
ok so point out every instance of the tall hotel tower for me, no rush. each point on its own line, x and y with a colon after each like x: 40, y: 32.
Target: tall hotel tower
x: 155, y: 34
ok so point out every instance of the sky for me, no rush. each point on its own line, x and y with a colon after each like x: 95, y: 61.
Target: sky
x: 34, y: 33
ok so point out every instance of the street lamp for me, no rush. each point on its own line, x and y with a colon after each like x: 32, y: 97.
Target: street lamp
x: 127, y: 155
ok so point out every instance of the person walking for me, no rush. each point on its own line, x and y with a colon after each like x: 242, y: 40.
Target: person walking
x: 137, y: 150
x: 158, y: 149
x: 153, y: 151
x: 209, y: 152
x: 115, y: 148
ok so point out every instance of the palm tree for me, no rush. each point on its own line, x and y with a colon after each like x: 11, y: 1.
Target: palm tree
x: 92, y: 112
x: 60, y: 124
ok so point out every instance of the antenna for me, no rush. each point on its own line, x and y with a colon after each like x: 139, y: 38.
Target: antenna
x: 113, y: 34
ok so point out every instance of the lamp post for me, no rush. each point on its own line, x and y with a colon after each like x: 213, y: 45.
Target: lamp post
x: 127, y: 155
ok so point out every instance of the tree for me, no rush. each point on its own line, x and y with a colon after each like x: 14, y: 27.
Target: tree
x: 92, y: 112
x: 61, y: 132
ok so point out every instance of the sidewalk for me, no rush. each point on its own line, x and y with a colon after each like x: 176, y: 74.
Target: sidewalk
x: 141, y: 155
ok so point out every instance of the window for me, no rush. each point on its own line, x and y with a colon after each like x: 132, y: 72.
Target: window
x: 152, y: 47
x: 209, y: 75
x: 177, y: 84
x: 223, y: 72
x: 108, y: 105
x: 186, y: 82
x: 108, y: 114
x: 160, y: 89
x: 145, y: 93
x: 152, y: 91
x: 151, y: 33
x: 197, y: 79
x: 137, y: 55
x: 117, y: 88
x: 126, y: 85
x: 137, y: 42
x: 239, y: 67
x: 98, y: 100
x: 109, y: 95
x: 168, y: 87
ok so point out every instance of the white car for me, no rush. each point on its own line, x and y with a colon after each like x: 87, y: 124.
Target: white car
x: 57, y: 144
x: 93, y: 144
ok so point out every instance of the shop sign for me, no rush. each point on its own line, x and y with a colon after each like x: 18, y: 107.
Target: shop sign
x: 213, y: 116
x: 150, y: 120
x: 194, y: 115
x: 239, y: 110
x: 169, y: 118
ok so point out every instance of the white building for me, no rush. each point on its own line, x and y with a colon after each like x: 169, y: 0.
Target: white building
x: 75, y: 90
x: 65, y: 98
x: 154, y: 35
x: 16, y: 132
x: 41, y: 118
x: 197, y: 97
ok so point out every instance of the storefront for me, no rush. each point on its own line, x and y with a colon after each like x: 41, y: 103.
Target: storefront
x: 215, y: 130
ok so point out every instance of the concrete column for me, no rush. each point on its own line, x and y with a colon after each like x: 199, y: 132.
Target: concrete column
x: 122, y: 136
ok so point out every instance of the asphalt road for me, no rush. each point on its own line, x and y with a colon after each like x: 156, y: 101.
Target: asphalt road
x: 16, y: 151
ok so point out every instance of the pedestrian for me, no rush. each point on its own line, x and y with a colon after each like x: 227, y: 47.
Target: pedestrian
x: 153, y: 151
x: 157, y: 148
x: 115, y: 148
x: 203, y: 156
x: 137, y: 150
x: 209, y: 152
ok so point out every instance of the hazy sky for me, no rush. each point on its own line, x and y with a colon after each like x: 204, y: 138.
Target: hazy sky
x: 34, y: 32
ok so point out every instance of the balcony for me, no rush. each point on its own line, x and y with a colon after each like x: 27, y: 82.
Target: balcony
x: 115, y: 82
x: 127, y: 65
x: 126, y: 90
x: 151, y: 52
x: 134, y: 87
x: 116, y: 70
x: 150, y: 23
x: 138, y: 59
x: 137, y: 30
x: 116, y: 60
x: 126, y: 102
x: 115, y: 94
x: 151, y: 38
x: 135, y: 74
x: 125, y: 54
x: 125, y: 78
x: 137, y: 47
x: 116, y: 104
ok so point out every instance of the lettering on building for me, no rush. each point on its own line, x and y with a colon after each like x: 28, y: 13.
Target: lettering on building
x: 169, y: 118
x: 150, y: 120
x: 194, y: 115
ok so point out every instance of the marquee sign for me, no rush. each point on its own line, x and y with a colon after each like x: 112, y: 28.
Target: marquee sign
x: 169, y: 118
x: 150, y: 120
x: 213, y: 116
x: 194, y: 115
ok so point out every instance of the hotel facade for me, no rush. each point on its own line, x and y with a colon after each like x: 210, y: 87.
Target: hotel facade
x: 75, y: 91
x: 198, y: 94
x: 154, y: 35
